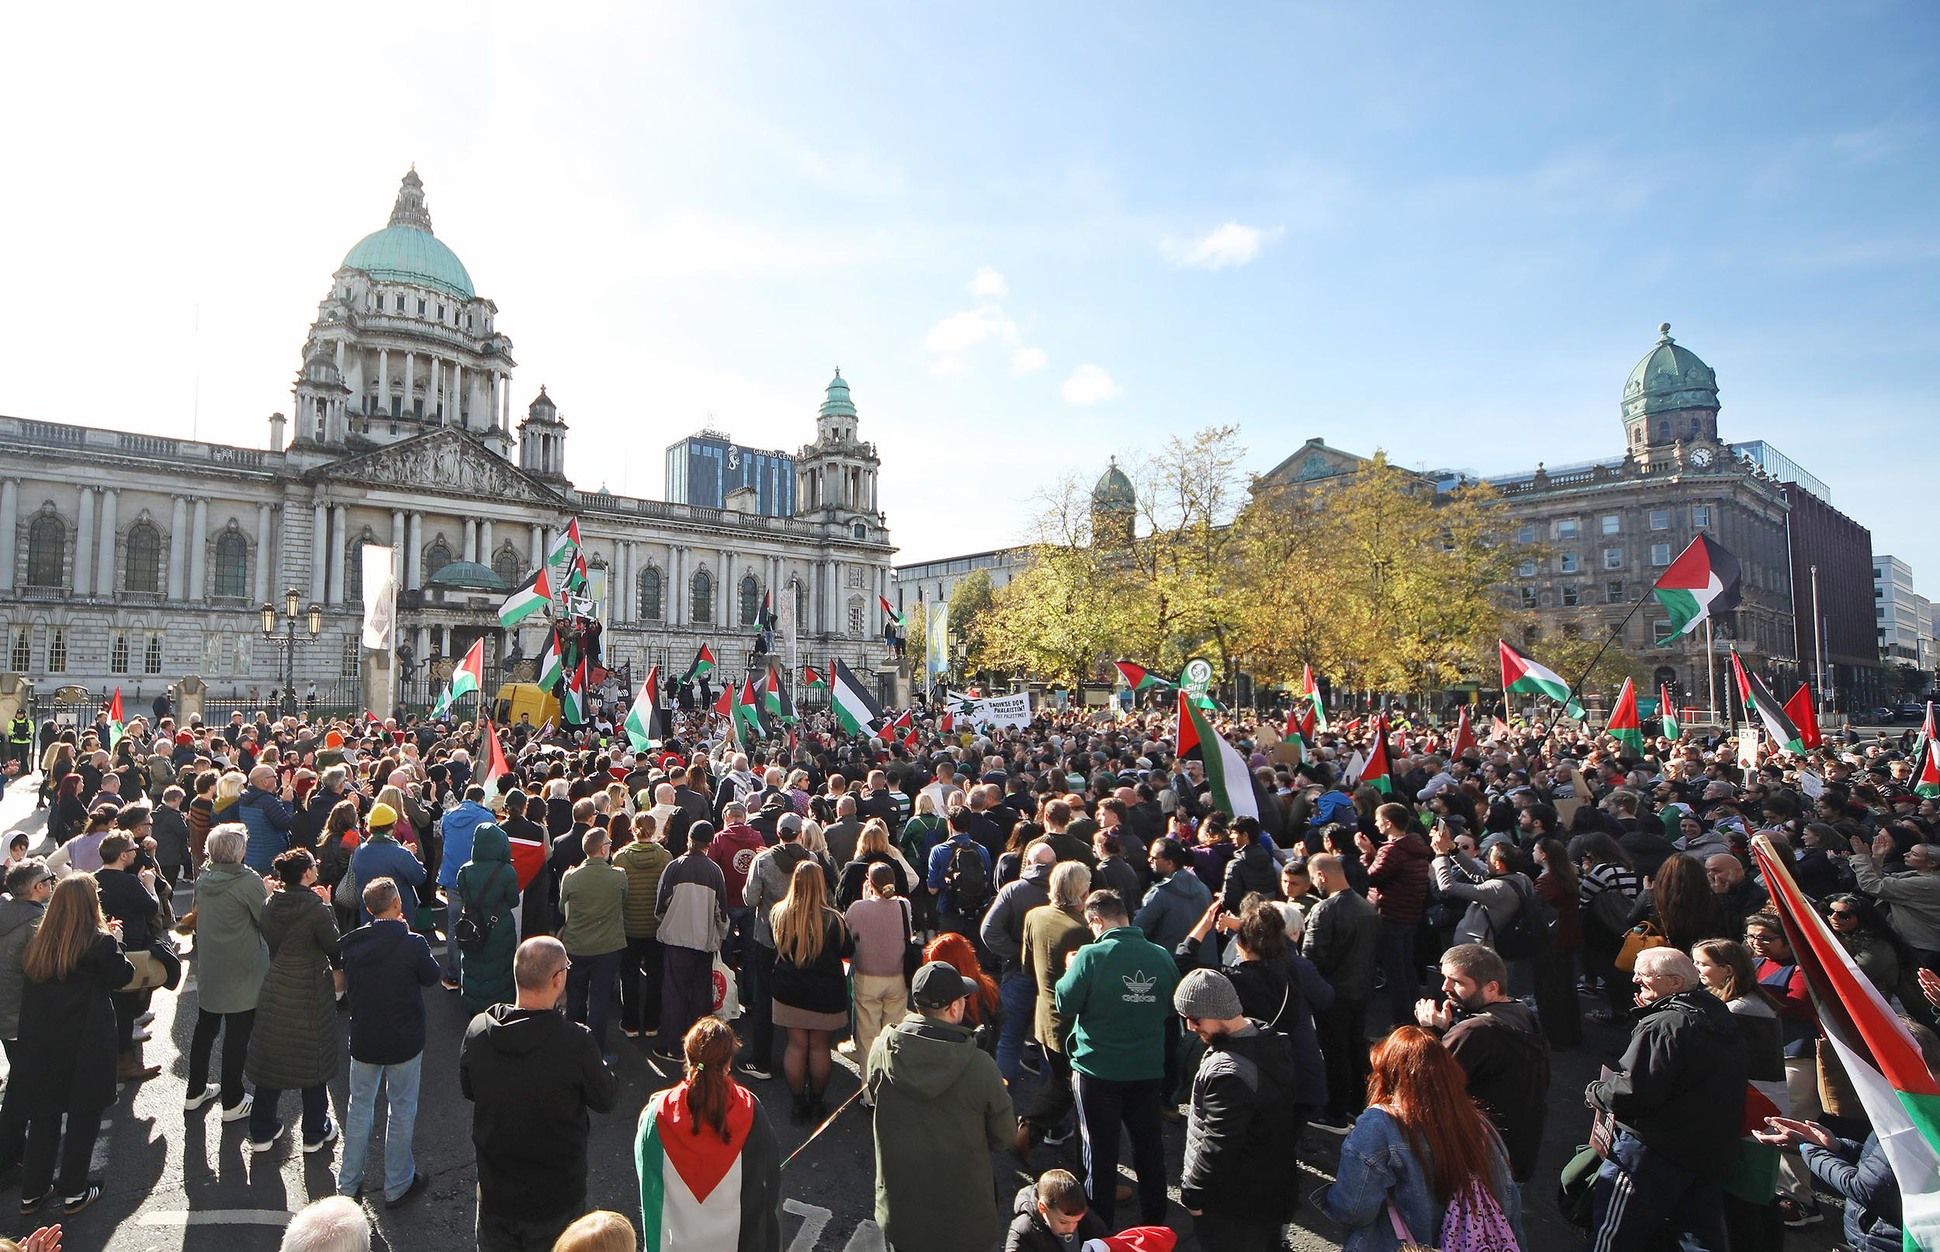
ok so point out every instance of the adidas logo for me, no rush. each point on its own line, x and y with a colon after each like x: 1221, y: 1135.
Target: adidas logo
x: 1138, y: 987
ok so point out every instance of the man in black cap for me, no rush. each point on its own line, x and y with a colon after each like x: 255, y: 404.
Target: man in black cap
x: 941, y: 1110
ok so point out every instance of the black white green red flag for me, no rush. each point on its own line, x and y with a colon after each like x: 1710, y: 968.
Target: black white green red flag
x: 1376, y: 771
x: 889, y: 614
x: 1702, y: 583
x: 1311, y: 690
x: 1667, y: 712
x: 552, y: 665
x: 1804, y: 715
x: 534, y: 595
x: 1138, y: 678
x: 747, y: 712
x: 852, y: 703
x: 117, y: 726
x: 467, y: 678
x: 775, y: 700
x: 1926, y: 766
x: 572, y: 702
x: 1226, y: 772
x: 1762, y: 704
x: 703, y: 665
x: 1625, y: 727
x: 813, y: 678
x: 646, y: 720
x: 566, y: 560
x: 1523, y: 676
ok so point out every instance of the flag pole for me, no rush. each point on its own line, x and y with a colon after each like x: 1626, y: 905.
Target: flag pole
x: 1577, y: 690
x: 1710, y: 668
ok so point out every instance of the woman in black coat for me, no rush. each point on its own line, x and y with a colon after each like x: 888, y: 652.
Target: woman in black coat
x: 64, y: 1063
x: 295, y: 1042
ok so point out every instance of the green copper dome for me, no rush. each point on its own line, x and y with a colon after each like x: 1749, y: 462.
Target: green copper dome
x: 1114, y: 490
x: 838, y: 404
x: 467, y: 576
x: 1668, y: 379
x: 406, y: 251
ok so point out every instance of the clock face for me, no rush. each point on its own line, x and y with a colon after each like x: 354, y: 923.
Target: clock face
x: 1701, y: 458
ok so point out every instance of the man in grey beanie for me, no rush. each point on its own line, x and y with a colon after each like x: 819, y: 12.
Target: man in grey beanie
x: 1241, y: 1175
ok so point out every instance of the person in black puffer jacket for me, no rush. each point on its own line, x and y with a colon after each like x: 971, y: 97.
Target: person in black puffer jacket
x: 1252, y: 868
x: 1052, y: 1215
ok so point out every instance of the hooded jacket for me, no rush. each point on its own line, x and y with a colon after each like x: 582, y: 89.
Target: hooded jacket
x: 941, y: 1110
x: 1003, y: 926
x: 1242, y: 1130
x: 767, y: 884
x: 490, y: 886
x: 268, y: 820
x: 1171, y: 907
x: 1502, y: 1050
x: 1681, y: 1086
x: 459, y: 825
x: 1492, y: 900
x: 1398, y: 879
x: 230, y: 954
x: 532, y: 1076
x: 387, y: 967
x: 18, y: 918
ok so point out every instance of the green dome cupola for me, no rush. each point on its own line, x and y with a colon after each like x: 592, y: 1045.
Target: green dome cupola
x: 406, y: 251
x: 1114, y: 508
x: 837, y: 402
x: 1671, y: 395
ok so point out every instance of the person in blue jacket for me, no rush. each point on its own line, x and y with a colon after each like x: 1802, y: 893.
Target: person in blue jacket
x: 267, y: 817
x: 1857, y: 1172
x: 459, y: 824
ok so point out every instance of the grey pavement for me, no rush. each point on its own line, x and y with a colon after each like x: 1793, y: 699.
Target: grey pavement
x: 185, y: 1181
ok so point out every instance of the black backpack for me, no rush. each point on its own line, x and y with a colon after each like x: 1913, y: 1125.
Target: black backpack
x: 473, y: 929
x: 1532, y: 929
x: 967, y: 881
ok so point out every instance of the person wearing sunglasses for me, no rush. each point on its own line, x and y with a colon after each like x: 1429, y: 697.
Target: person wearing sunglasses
x: 1863, y: 931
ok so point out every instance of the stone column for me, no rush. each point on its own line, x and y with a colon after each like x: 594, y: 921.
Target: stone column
x: 413, y: 549
x: 384, y: 381
x: 621, y: 597
x: 505, y: 402
x: 470, y: 550
x: 198, y: 549
x: 319, y: 548
x: 457, y: 405
x: 261, y: 585
x: 732, y: 596
x: 485, y: 541
x: 534, y: 552
x: 104, y: 560
x: 678, y: 590
x: 178, y: 546
x: 339, y: 537
x: 410, y: 373
x: 84, y: 545
x: 9, y: 530
x: 400, y: 538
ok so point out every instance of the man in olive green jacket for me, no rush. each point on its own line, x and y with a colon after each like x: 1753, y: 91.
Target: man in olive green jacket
x: 941, y: 1110
x: 643, y: 860
x: 592, y: 896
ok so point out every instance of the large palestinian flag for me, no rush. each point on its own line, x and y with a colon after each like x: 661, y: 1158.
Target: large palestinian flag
x: 1524, y: 676
x: 775, y: 700
x: 467, y: 678
x: 572, y: 701
x: 1926, y: 768
x: 703, y: 665
x: 700, y: 1188
x: 646, y: 721
x: 1625, y: 727
x: 889, y: 614
x: 854, y: 707
x: 1901, y: 1096
x: 747, y: 711
x: 531, y: 596
x: 1311, y: 690
x: 117, y: 725
x: 1226, y: 772
x: 552, y: 664
x: 1702, y: 583
x: 1138, y: 678
x: 1764, y: 705
x: 814, y: 679
x: 1376, y: 771
x: 566, y: 561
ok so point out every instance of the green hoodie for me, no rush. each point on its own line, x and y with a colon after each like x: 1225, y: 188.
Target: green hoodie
x: 1117, y: 993
x: 491, y: 886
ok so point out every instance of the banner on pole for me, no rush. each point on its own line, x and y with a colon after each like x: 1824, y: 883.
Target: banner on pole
x: 936, y: 640
x: 1010, y: 710
x: 380, y: 599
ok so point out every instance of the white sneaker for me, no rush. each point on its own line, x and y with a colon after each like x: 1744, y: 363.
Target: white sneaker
x: 329, y: 1137
x: 194, y: 1102
x: 145, y: 1018
x: 241, y: 1110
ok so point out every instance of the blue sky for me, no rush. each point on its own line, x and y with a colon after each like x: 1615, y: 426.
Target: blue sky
x: 1031, y: 235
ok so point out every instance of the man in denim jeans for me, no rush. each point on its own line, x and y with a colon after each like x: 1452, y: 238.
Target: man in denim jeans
x: 385, y: 969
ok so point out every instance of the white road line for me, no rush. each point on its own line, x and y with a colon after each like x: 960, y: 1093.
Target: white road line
x: 813, y: 1220
x: 867, y: 1238
x: 214, y: 1217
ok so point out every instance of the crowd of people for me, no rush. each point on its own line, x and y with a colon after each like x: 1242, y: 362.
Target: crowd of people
x: 1037, y: 945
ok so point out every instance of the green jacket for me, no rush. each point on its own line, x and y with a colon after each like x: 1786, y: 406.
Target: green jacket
x: 593, y: 896
x: 643, y: 863
x: 489, y: 882
x: 941, y: 1110
x: 231, y: 956
x: 1117, y: 993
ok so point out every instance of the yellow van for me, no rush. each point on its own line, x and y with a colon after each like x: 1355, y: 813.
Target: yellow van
x: 516, y: 700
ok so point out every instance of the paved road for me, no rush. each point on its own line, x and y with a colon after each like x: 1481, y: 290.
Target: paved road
x: 176, y: 1181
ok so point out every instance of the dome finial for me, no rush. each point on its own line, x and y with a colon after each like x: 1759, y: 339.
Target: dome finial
x: 410, y: 208
x: 1664, y: 333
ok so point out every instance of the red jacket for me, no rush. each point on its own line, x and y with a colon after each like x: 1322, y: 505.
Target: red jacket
x: 733, y: 849
x: 1398, y: 879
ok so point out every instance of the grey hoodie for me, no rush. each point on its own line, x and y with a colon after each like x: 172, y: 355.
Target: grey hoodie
x: 1003, y: 926
x: 18, y: 918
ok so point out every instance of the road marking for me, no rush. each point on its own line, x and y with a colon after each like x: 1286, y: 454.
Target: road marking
x: 813, y: 1220
x: 867, y: 1238
x: 214, y: 1217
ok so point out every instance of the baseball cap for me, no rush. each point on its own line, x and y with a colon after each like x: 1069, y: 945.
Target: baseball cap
x: 938, y: 984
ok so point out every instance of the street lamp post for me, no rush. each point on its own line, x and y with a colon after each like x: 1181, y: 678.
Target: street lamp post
x: 313, y: 622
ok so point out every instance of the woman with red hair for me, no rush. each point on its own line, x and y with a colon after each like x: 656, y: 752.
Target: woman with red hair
x: 1422, y: 1157
x: 955, y: 951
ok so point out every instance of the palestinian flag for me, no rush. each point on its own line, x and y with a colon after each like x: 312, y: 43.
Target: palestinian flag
x: 466, y: 678
x: 1138, y: 678
x: 853, y: 706
x: 702, y: 1189
x: 528, y: 855
x: 1760, y: 702
x: 1805, y: 716
x: 1311, y: 690
x: 646, y: 721
x: 765, y: 619
x: 572, y: 702
x: 1901, y: 1096
x: 724, y: 708
x: 775, y: 700
x: 1523, y: 676
x: 1375, y: 771
x: 1226, y: 772
x: 1702, y: 583
x: 814, y: 679
x: 703, y: 665
x: 552, y: 666
x: 1624, y: 725
x: 566, y: 561
x: 897, y: 726
x: 117, y: 725
x: 1926, y: 769
x: 1498, y: 729
x: 747, y: 711
x: 1668, y: 712
x: 1300, y: 722
x: 947, y: 723
x: 889, y: 614
x: 496, y: 766
x: 534, y: 595
x: 1464, y: 736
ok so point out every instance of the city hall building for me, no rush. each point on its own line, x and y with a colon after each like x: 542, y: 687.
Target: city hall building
x: 133, y: 559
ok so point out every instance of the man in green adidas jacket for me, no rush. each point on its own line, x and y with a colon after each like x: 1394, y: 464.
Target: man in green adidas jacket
x: 1117, y: 993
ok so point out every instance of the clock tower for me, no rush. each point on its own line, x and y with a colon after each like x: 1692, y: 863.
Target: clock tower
x: 1670, y: 406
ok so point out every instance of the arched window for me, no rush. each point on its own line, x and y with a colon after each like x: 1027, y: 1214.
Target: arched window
x: 801, y: 603
x: 701, y: 597
x: 46, y: 548
x: 436, y: 557
x: 750, y: 600
x: 144, y: 558
x: 650, y: 594
x: 232, y: 564
x: 354, y: 573
x: 506, y: 566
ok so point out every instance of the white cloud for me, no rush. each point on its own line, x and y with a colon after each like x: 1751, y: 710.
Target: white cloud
x: 989, y: 284
x: 1089, y: 384
x: 1224, y: 247
x: 1028, y: 360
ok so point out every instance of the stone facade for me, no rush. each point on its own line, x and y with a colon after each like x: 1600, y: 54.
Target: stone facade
x: 132, y: 559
